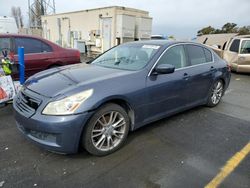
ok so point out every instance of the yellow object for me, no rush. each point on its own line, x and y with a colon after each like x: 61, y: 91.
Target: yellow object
x: 229, y: 167
x: 6, y: 67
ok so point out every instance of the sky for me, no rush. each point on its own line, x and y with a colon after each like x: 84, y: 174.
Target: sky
x: 181, y: 18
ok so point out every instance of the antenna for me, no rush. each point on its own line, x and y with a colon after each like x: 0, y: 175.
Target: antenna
x: 38, y: 8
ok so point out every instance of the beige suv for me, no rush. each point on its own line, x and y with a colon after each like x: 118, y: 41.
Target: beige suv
x: 237, y: 53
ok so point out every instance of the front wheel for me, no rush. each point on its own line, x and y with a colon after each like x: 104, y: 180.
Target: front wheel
x: 106, y: 131
x: 216, y: 94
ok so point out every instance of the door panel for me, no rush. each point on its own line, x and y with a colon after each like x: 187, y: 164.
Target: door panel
x: 167, y: 92
x: 199, y: 83
x: 200, y: 73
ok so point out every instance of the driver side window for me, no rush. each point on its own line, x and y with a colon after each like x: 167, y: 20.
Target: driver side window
x: 174, y: 56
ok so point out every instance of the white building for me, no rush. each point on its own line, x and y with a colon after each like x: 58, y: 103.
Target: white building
x: 100, y: 28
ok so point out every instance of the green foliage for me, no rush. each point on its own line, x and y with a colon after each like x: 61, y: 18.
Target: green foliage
x: 226, y: 28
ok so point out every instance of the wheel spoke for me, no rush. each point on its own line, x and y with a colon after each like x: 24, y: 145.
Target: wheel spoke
x: 115, y: 133
x: 103, y: 141
x: 97, y: 130
x: 96, y: 135
x: 117, y: 123
x: 108, y: 141
x: 100, y: 140
x: 100, y: 122
x: 104, y: 119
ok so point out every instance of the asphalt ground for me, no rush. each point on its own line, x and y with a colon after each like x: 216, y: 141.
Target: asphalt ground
x: 186, y: 150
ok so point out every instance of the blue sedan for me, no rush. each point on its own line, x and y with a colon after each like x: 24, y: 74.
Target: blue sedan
x: 94, y: 106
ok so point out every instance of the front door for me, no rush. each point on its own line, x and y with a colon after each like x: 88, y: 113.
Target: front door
x: 167, y: 92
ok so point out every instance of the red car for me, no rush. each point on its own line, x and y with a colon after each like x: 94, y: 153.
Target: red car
x: 40, y: 54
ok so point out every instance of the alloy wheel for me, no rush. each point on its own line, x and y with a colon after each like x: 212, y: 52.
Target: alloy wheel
x: 108, y: 131
x: 217, y: 92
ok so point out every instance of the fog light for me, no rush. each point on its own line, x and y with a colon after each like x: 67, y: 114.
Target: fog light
x: 44, y: 136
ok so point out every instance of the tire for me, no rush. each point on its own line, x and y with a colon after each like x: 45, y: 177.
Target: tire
x: 106, y: 130
x: 216, y: 94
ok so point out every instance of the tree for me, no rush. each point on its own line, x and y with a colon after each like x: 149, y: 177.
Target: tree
x: 244, y: 30
x: 17, y: 14
x: 206, y: 31
x: 229, y: 28
x: 226, y: 28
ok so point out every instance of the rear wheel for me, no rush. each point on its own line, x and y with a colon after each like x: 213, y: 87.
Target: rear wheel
x: 216, y: 93
x: 106, y: 131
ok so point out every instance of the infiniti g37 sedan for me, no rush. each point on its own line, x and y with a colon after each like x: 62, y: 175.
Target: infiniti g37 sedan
x: 95, y: 106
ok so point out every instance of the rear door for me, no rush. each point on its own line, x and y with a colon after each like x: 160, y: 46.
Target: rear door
x: 38, y: 55
x: 231, y: 54
x: 200, y: 73
x: 244, y: 55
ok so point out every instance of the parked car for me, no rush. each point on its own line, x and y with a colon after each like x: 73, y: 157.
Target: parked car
x: 236, y: 52
x: 40, y: 54
x: 95, y: 106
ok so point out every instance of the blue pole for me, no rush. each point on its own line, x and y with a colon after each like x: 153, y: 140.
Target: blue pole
x: 21, y: 65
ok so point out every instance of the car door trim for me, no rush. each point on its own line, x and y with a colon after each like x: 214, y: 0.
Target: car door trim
x: 183, y: 43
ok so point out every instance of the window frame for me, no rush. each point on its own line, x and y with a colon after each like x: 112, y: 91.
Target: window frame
x: 188, y: 61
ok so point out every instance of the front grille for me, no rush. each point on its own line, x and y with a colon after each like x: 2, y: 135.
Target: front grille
x: 27, y: 104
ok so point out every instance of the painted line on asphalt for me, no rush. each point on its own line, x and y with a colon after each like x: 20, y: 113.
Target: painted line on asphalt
x: 229, y: 167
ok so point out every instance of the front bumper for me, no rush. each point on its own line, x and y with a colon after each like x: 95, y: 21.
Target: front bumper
x: 60, y: 134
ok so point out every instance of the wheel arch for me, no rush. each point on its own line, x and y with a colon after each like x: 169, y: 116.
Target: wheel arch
x: 124, y: 104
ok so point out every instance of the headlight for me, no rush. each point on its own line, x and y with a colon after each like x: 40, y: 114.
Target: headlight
x: 67, y: 105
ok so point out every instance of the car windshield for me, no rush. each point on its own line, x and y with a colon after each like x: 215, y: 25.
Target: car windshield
x: 127, y: 57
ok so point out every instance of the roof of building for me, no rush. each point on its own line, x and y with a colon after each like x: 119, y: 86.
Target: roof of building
x: 101, y: 8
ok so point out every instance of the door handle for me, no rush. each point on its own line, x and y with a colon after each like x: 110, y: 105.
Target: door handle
x: 186, y: 76
x: 212, y: 68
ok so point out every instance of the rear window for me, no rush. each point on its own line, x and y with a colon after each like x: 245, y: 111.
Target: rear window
x: 245, y: 47
x: 32, y: 45
x: 196, y: 54
x: 208, y: 55
x: 235, y: 46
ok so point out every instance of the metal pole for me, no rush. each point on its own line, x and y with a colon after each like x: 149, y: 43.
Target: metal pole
x: 54, y: 7
x: 21, y: 65
x: 29, y: 12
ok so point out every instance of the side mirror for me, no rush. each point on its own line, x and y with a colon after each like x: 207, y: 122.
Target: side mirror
x: 164, y: 69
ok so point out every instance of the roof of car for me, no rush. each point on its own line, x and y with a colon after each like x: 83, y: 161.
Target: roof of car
x: 161, y: 42
x: 18, y: 35
x: 242, y: 36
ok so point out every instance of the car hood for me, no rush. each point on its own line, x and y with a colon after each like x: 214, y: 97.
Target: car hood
x: 59, y: 81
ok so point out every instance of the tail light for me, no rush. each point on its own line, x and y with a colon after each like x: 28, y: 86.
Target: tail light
x: 228, y: 67
x: 78, y: 54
